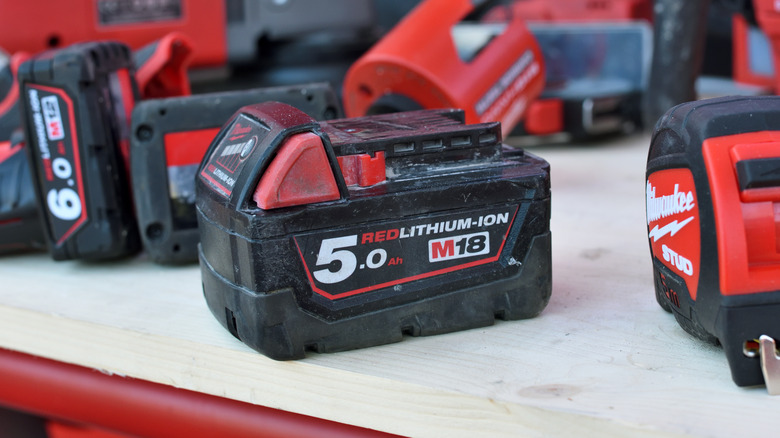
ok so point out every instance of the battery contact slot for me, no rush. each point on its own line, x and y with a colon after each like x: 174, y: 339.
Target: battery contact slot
x: 429, y: 145
x: 403, y: 148
x: 488, y: 138
x: 460, y: 141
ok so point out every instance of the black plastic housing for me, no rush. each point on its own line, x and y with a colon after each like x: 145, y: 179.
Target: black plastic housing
x: 442, y: 181
x: 76, y: 105
x: 20, y: 225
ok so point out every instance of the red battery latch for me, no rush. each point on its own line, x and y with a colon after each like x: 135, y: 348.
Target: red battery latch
x: 299, y: 174
x: 363, y: 169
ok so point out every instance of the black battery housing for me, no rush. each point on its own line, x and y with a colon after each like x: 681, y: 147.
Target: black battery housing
x: 449, y: 231
x: 20, y: 225
x: 169, y: 138
x: 76, y: 105
x: 712, y: 316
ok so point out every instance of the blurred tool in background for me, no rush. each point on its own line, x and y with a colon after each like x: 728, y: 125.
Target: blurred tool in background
x: 20, y: 227
x: 9, y: 95
x: 168, y: 140
x: 678, y: 42
x: 450, y: 54
x: 597, y: 56
x: 737, y: 40
x: 226, y: 31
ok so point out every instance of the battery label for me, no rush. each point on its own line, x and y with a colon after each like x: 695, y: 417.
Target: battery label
x: 363, y: 259
x: 113, y: 12
x: 57, y: 150
x: 227, y: 160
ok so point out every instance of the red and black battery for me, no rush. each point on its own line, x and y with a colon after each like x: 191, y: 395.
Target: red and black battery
x: 75, y: 105
x: 353, y: 232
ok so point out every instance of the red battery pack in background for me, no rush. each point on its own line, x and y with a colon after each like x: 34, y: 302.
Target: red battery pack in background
x: 170, y: 138
x: 76, y: 105
x: 712, y: 194
x: 444, y: 55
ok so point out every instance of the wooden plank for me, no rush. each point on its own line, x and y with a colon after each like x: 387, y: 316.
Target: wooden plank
x: 603, y: 359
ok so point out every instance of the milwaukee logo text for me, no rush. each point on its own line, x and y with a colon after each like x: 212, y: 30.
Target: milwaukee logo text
x: 667, y: 205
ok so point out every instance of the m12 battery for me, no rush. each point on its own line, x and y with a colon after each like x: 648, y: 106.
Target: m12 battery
x: 76, y: 105
x: 169, y: 139
x: 355, y: 232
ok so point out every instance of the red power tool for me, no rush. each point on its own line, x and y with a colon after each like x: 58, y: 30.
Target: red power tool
x: 446, y: 54
x: 221, y: 31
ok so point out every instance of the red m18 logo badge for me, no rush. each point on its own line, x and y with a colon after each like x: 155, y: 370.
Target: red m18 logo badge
x: 52, y: 117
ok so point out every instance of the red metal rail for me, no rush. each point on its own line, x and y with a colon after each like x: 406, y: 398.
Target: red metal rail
x: 68, y: 392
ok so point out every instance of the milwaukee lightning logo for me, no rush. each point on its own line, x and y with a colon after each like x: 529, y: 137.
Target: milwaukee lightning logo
x: 663, y: 206
x: 672, y: 228
x: 52, y: 118
x: 673, y: 224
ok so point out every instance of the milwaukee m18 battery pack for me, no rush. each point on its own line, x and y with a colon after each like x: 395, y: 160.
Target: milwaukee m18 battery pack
x: 76, y: 105
x: 170, y: 138
x: 712, y: 193
x: 354, y: 232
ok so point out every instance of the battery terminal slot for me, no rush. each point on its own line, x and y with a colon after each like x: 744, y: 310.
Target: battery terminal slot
x: 460, y: 141
x: 488, y: 138
x: 403, y: 148
x: 432, y: 145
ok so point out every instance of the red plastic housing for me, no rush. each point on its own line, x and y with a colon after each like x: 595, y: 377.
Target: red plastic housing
x: 419, y: 60
x: 164, y: 73
x: 38, y: 25
x: 300, y: 174
x: 749, y: 262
